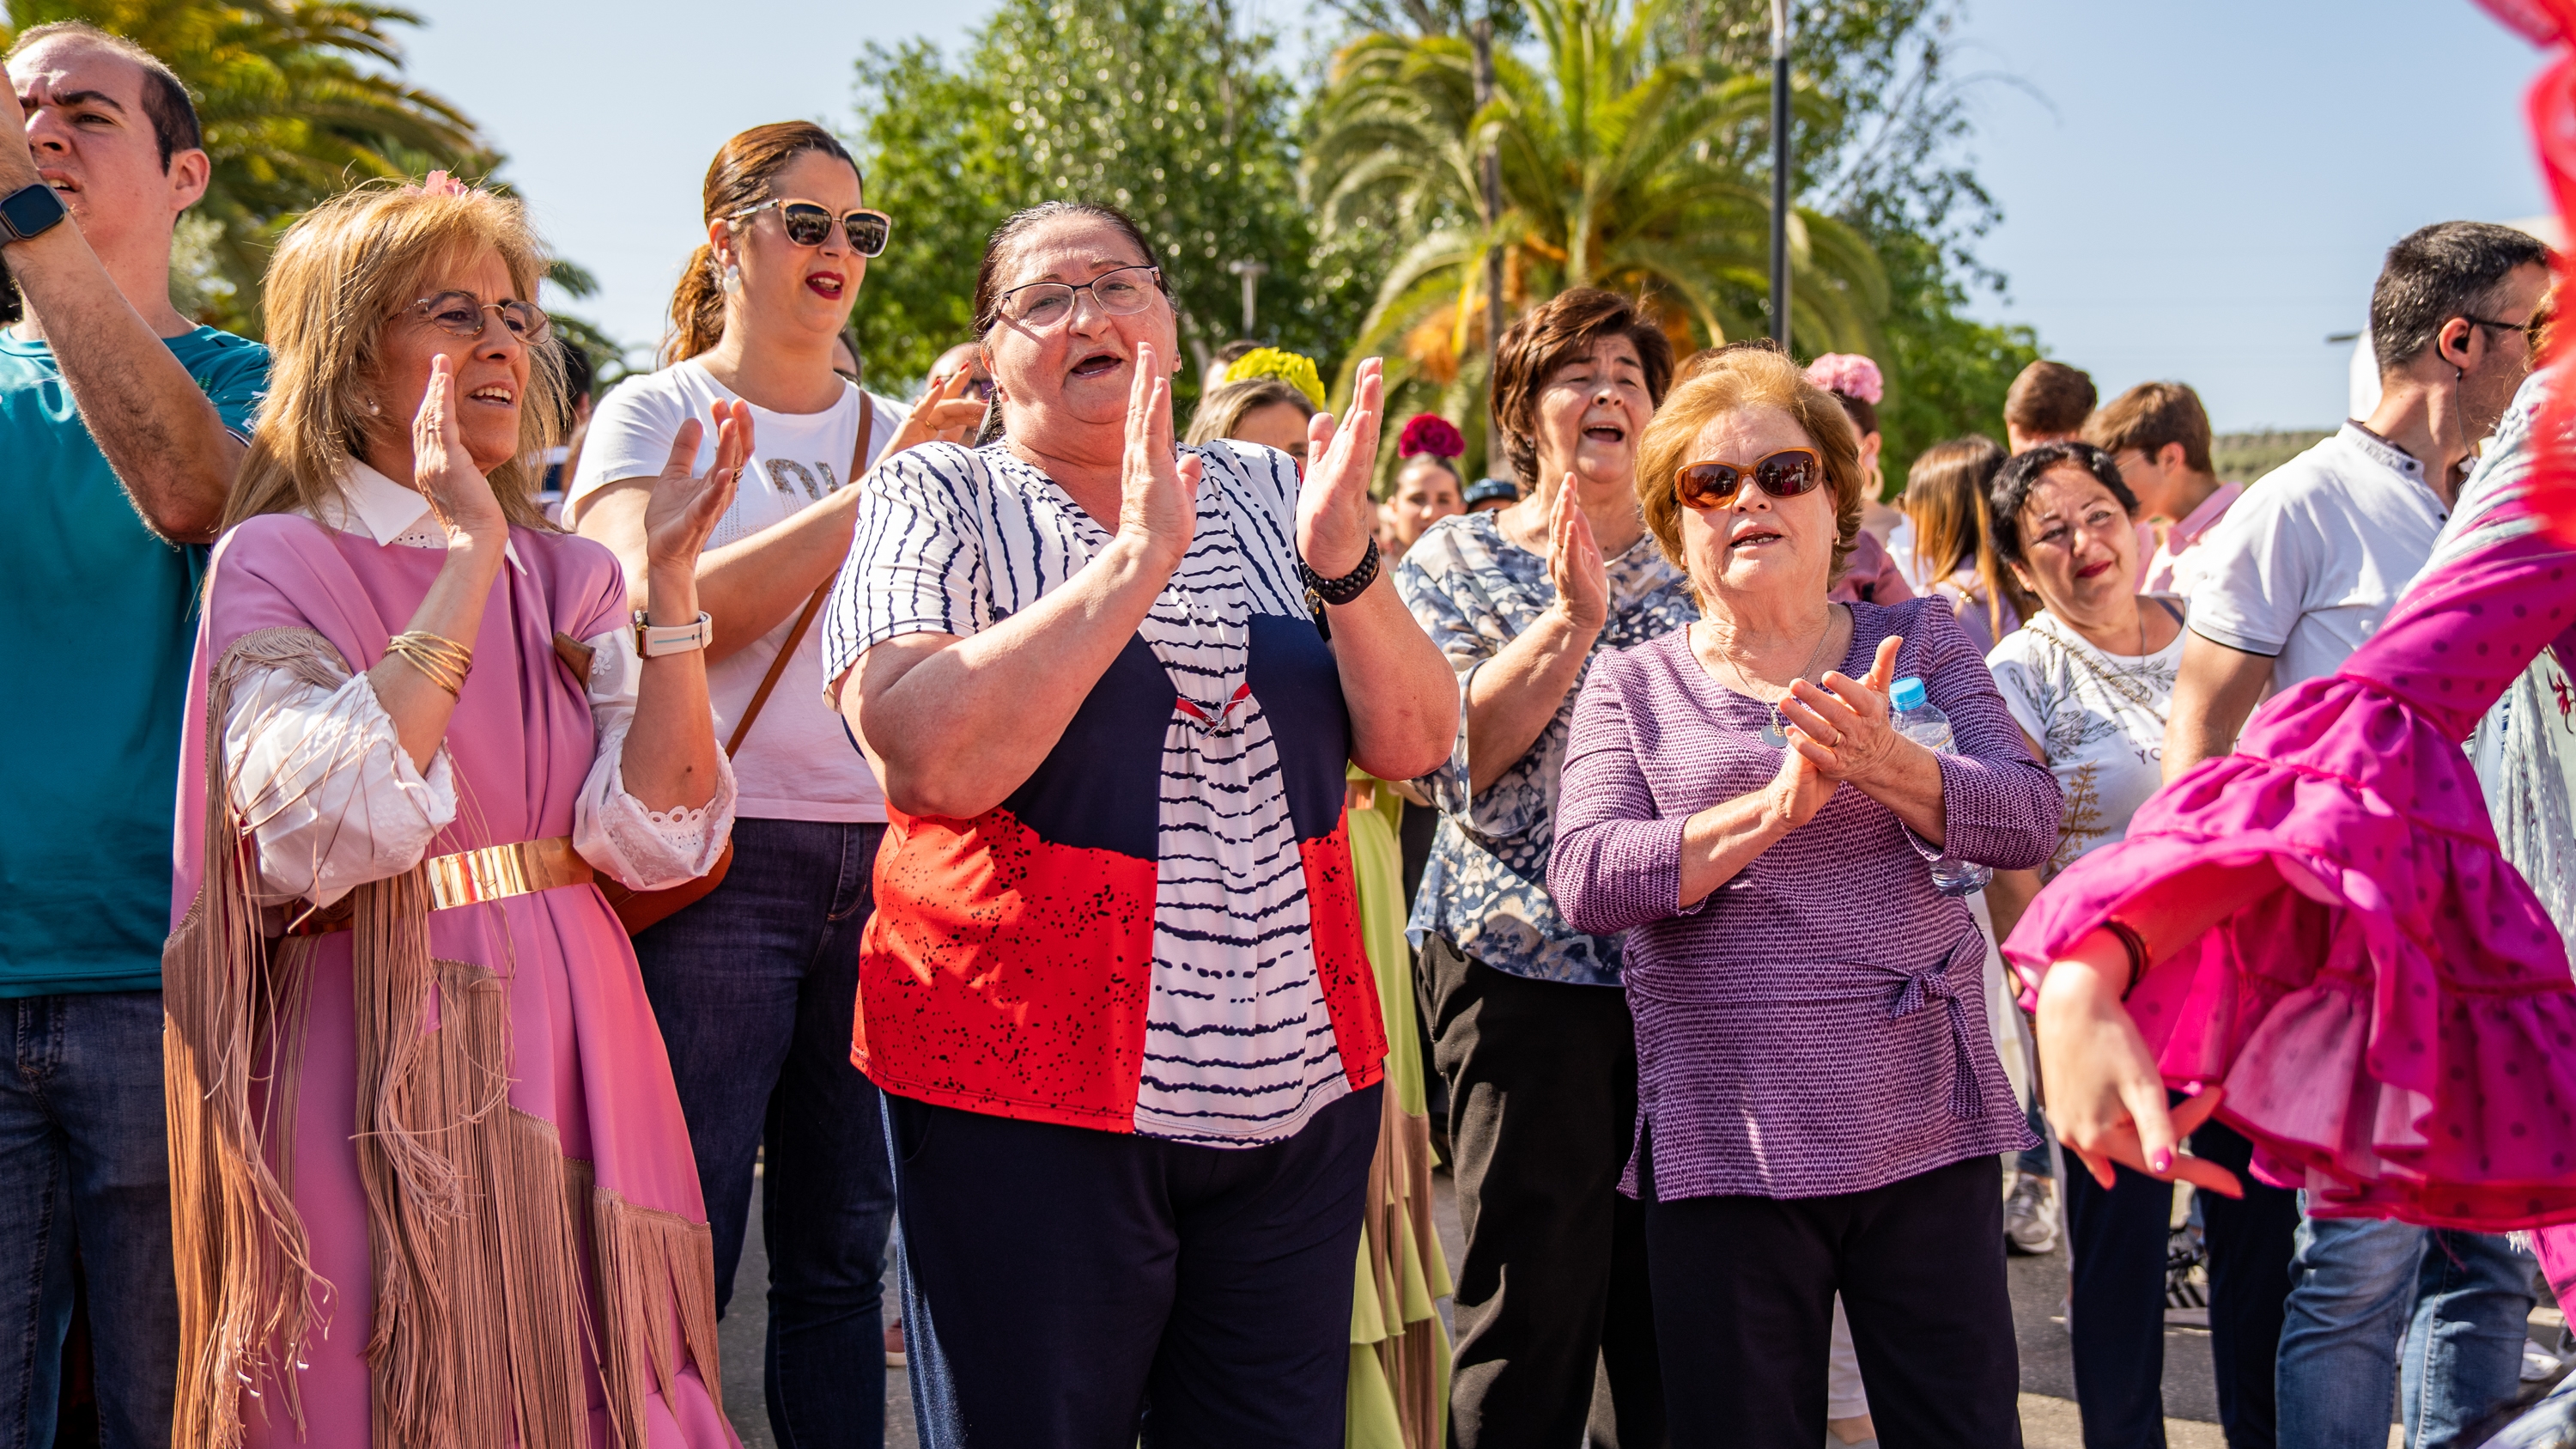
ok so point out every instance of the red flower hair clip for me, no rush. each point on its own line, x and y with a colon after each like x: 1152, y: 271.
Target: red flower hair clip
x: 1430, y: 433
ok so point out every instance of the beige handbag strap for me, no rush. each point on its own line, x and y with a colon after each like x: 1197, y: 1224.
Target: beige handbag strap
x: 813, y: 605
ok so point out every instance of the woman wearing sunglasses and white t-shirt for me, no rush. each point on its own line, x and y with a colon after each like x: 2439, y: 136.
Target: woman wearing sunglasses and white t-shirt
x: 754, y: 983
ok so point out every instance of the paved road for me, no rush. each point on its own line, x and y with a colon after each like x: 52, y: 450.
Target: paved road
x: 2038, y: 1291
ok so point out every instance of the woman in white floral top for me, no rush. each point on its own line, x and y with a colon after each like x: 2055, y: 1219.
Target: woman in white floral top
x: 1529, y: 1027
x: 2089, y: 680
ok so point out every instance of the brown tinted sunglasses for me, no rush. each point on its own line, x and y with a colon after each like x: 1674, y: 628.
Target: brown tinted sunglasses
x: 1784, y: 474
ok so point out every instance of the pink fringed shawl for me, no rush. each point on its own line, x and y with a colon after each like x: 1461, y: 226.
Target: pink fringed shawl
x: 431, y: 1182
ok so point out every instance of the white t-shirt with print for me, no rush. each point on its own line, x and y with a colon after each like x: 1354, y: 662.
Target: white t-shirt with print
x: 797, y: 763
x: 2100, y: 722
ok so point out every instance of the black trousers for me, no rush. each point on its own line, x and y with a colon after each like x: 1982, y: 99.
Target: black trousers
x: 2116, y: 1309
x: 1542, y: 1080
x: 1076, y: 1289
x: 1744, y: 1310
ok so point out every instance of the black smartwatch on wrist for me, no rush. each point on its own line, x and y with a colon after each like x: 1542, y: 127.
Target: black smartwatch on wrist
x: 28, y: 211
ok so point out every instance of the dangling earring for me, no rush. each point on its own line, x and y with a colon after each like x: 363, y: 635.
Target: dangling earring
x: 372, y: 409
x: 731, y: 278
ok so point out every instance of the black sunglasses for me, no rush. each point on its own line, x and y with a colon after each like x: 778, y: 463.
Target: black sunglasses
x: 2530, y: 330
x: 1784, y: 474
x: 809, y: 224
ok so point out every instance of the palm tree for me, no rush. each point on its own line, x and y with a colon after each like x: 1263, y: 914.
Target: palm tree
x: 299, y: 99
x: 1619, y: 170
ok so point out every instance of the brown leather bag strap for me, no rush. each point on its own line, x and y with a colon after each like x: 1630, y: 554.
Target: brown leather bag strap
x: 814, y: 605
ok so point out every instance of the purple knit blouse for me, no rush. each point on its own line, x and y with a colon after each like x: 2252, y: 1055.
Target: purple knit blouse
x: 1817, y: 1024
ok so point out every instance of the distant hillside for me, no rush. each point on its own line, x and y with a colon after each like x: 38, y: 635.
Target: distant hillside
x: 2244, y: 457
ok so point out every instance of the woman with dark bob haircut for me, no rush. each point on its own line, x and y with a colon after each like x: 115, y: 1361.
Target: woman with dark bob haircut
x: 1821, y: 1101
x: 1528, y: 1025
x: 1115, y: 988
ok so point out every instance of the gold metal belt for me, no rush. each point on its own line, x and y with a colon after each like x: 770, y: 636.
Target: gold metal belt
x: 492, y: 873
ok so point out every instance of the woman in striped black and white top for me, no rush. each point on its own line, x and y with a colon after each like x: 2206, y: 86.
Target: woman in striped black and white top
x: 1115, y: 988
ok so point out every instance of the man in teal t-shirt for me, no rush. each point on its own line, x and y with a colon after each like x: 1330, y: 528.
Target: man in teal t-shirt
x: 121, y: 426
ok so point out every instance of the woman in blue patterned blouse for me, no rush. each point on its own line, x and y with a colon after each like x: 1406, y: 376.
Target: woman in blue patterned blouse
x: 1529, y: 1027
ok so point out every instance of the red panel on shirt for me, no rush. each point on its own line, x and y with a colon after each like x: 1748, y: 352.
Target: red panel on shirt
x: 1341, y: 960
x: 1006, y: 975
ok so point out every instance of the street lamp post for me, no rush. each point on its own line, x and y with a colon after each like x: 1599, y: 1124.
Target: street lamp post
x: 1780, y: 173
x: 1490, y: 178
x: 1251, y: 272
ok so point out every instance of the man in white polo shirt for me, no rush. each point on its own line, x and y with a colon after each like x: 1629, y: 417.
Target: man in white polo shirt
x: 2301, y: 571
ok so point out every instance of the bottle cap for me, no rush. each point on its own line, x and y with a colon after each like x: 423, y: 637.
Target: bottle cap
x: 1907, y: 693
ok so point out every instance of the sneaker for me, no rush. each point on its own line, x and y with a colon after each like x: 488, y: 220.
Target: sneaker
x: 894, y: 1345
x: 2030, y: 1216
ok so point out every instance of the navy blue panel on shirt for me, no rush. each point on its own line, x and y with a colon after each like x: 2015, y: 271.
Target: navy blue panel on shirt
x: 1100, y: 788
x: 1291, y: 672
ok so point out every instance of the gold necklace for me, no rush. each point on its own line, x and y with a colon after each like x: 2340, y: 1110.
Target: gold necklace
x: 1775, y: 730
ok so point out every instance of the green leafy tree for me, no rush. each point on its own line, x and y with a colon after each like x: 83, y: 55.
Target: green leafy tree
x: 1619, y: 168
x: 299, y: 99
x: 1165, y: 109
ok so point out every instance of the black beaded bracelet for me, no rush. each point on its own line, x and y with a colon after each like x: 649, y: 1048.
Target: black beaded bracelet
x: 2136, y: 946
x: 1346, y: 588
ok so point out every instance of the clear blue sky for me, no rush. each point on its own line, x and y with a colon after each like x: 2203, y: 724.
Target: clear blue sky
x: 2204, y: 195
x: 2213, y: 192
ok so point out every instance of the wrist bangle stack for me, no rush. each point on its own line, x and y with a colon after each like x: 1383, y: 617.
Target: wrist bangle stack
x: 2136, y: 946
x: 442, y: 661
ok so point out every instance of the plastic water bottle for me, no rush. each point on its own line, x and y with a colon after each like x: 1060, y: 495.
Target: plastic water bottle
x: 1916, y: 719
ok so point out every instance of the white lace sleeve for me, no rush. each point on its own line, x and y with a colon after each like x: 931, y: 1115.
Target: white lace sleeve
x: 644, y: 849
x: 332, y: 798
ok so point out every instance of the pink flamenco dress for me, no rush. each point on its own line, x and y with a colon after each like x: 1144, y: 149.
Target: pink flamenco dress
x: 2392, y: 1013
x: 430, y: 1179
x: 2390, y: 1009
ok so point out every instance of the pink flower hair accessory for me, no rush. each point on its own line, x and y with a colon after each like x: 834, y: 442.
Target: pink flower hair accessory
x: 1431, y: 434
x: 439, y: 183
x: 1849, y: 374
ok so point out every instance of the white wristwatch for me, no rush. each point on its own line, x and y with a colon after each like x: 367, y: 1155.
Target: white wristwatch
x: 655, y: 640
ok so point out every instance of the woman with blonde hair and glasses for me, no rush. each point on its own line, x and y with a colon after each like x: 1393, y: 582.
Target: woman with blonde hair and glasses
x: 1820, y: 1101
x: 431, y: 1183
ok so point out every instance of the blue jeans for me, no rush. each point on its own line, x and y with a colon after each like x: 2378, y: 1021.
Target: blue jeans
x: 2362, y: 1289
x: 85, y: 1170
x: 754, y: 987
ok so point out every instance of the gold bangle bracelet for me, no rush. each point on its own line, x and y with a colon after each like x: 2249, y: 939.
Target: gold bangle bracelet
x: 443, y: 662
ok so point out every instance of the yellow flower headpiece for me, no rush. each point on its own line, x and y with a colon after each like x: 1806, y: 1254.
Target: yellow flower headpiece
x: 1294, y: 369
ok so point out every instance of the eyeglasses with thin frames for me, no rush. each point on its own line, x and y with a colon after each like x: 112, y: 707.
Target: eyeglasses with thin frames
x: 460, y: 314
x: 1119, y: 292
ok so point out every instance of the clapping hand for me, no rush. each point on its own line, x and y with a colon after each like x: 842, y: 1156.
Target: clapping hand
x: 1799, y: 790
x: 1158, y: 493
x: 1843, y: 725
x: 1335, y: 516
x: 459, y: 495
x: 1574, y: 566
x: 943, y: 415
x: 684, y: 508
